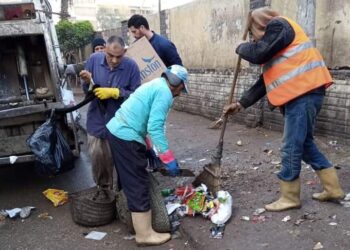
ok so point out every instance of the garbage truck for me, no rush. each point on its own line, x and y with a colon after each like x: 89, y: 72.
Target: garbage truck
x: 31, y: 73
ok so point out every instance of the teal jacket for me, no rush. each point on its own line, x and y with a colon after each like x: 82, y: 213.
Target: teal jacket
x: 144, y: 113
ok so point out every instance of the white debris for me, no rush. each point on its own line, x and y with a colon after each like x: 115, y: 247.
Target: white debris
x: 275, y: 162
x: 345, y: 203
x: 287, y: 218
x: 239, y: 143
x: 13, y: 159
x: 246, y: 218
x: 171, y: 207
x: 202, y: 159
x: 259, y: 211
x: 318, y: 246
x: 25, y: 212
x: 347, y: 197
x: 95, y: 235
x: 129, y: 237
x: 13, y: 212
x: 333, y: 223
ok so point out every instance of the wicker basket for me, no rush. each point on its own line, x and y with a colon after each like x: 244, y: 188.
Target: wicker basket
x: 93, y: 206
x: 160, y: 218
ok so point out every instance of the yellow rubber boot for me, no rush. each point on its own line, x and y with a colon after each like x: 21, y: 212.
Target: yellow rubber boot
x: 145, y: 235
x: 332, y: 190
x: 290, y: 197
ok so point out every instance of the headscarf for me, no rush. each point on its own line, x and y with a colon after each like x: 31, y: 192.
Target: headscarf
x: 259, y: 18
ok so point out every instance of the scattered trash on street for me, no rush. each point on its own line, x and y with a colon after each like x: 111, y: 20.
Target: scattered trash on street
x: 190, y: 201
x: 57, y: 196
x: 259, y: 218
x: 245, y: 218
x: 217, y: 232
x: 268, y: 151
x: 25, y: 212
x: 287, y: 218
x: 333, y: 224
x: 239, y: 143
x: 95, y: 235
x: 129, y: 237
x: 345, y: 203
x: 13, y: 212
x: 259, y: 211
x: 275, y: 162
x: 347, y: 197
x: 299, y: 221
x: 318, y: 246
x: 45, y: 216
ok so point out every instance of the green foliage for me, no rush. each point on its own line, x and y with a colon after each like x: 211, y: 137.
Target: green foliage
x: 74, y: 35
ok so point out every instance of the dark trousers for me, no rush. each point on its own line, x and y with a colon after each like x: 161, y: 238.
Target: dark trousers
x: 131, y: 163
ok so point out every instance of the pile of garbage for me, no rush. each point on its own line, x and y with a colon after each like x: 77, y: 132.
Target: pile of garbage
x: 189, y: 201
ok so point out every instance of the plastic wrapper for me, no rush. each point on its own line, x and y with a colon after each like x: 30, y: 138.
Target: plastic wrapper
x: 196, y: 203
x: 52, y: 152
x: 57, y: 196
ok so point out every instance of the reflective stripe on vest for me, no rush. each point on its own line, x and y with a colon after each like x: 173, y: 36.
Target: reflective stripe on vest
x: 295, y: 70
x: 293, y: 74
x: 287, y: 55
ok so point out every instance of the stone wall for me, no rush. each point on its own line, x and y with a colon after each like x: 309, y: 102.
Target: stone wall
x: 209, y: 91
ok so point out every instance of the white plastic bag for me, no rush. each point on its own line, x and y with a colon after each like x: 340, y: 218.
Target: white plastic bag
x: 225, y: 208
x: 68, y: 100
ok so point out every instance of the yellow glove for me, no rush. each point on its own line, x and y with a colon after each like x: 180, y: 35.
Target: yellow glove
x: 106, y: 93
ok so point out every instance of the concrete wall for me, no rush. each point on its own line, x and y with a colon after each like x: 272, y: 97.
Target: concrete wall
x: 206, y: 32
x: 332, y: 28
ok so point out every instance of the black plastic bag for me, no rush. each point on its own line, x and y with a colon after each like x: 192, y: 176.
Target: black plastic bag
x: 52, y: 152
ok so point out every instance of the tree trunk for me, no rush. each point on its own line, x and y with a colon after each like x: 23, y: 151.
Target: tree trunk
x: 64, y: 9
x: 306, y: 17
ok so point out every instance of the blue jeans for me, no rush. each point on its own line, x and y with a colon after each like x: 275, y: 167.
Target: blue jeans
x: 298, y: 141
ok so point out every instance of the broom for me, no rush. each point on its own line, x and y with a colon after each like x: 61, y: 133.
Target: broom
x: 210, y: 174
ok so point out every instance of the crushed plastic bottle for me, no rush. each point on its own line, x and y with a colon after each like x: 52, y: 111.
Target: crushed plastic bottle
x: 167, y: 192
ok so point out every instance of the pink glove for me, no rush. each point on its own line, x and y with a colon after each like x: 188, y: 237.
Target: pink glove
x: 170, y: 162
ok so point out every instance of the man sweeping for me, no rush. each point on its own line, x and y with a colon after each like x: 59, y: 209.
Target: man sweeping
x: 144, y: 114
x: 294, y: 79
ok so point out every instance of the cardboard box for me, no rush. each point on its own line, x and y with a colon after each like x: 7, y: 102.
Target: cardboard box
x: 150, y: 64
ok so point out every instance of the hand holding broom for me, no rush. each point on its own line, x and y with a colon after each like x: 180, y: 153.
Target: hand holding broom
x: 217, y: 124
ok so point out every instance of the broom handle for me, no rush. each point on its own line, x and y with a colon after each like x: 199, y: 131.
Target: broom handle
x: 235, y: 77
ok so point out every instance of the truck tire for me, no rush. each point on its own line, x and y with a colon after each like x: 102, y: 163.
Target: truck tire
x: 160, y: 218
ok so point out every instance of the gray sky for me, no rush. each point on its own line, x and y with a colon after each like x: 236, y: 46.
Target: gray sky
x: 166, y: 4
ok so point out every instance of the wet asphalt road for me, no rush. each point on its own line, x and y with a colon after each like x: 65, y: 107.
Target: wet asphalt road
x: 20, y: 186
x: 248, y: 174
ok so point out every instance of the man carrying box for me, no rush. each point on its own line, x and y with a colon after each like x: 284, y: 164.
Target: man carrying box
x: 166, y: 50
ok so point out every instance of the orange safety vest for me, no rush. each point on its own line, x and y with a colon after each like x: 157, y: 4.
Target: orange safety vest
x: 295, y: 70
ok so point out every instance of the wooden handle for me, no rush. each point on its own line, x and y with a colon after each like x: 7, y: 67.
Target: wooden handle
x: 234, y: 82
